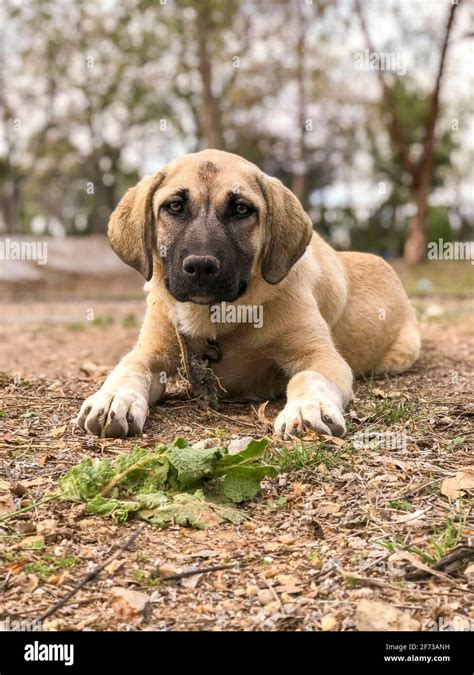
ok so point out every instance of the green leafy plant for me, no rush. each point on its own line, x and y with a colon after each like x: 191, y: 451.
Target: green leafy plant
x: 174, y: 483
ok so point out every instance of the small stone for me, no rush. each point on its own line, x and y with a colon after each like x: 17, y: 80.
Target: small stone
x: 47, y: 527
x: 379, y: 616
x: 128, y: 604
x: 469, y: 574
x: 265, y: 596
x: 328, y: 622
x: 206, y: 444
x: 32, y: 542
x: 25, y: 527
x: 251, y: 590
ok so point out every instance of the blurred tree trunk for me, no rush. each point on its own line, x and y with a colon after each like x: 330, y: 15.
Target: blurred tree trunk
x: 421, y: 171
x: 417, y: 239
x: 414, y: 251
x: 210, y: 118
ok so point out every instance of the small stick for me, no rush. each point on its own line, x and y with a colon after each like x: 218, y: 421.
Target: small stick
x: 28, y: 508
x: 91, y: 575
x: 201, y: 570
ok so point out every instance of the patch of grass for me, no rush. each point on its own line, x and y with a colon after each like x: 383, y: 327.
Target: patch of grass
x: 351, y: 427
x: 12, y: 557
x: 50, y: 565
x: 75, y: 327
x: 142, y: 577
x: 444, y: 541
x: 307, y: 456
x: 3, y: 413
x: 459, y: 440
x: 313, y: 555
x: 351, y: 582
x: 392, y: 546
x: 16, y: 454
x: 277, y: 504
x: 130, y: 321
x: 400, y: 505
x: 23, y: 383
x: 390, y: 411
x: 450, y: 536
x: 103, y: 321
x: 436, y: 277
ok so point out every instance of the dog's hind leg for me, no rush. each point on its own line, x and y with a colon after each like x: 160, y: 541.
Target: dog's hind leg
x: 403, y: 351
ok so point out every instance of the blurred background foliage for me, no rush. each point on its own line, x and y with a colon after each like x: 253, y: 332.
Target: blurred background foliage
x: 96, y: 94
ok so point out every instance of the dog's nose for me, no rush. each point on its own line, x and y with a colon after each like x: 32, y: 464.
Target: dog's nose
x: 201, y: 266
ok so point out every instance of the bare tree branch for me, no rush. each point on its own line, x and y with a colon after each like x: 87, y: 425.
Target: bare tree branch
x: 434, y: 106
x: 394, y: 127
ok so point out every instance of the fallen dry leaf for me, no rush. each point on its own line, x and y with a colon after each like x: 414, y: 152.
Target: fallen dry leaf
x: 57, y: 431
x: 190, y: 582
x: 379, y: 616
x: 261, y: 415
x: 288, y: 588
x: 328, y: 508
x: 413, y: 518
x: 168, y: 570
x: 455, y: 487
x: 26, y: 582
x: 6, y: 499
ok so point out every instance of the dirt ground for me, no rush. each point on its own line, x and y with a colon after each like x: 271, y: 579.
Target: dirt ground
x: 345, y: 522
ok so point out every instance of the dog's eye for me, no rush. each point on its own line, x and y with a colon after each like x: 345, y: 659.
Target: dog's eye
x: 242, y: 209
x: 175, y: 206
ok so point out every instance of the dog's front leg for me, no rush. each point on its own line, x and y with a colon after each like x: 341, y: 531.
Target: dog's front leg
x: 120, y: 407
x: 319, y: 389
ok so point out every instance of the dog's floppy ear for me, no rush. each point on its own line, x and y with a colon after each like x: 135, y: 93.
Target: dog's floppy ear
x: 132, y: 225
x: 288, y: 230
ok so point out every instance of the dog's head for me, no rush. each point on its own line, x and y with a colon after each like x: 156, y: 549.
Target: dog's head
x: 213, y: 221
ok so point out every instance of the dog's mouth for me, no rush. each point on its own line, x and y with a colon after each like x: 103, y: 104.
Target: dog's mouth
x: 229, y: 294
x: 200, y: 300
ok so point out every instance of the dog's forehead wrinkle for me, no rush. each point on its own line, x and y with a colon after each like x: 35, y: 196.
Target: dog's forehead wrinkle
x: 207, y: 168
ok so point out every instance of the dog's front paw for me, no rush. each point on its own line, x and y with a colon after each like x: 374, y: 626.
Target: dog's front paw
x: 114, y: 413
x: 319, y: 414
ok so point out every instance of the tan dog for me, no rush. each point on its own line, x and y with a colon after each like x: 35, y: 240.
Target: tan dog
x: 218, y: 242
